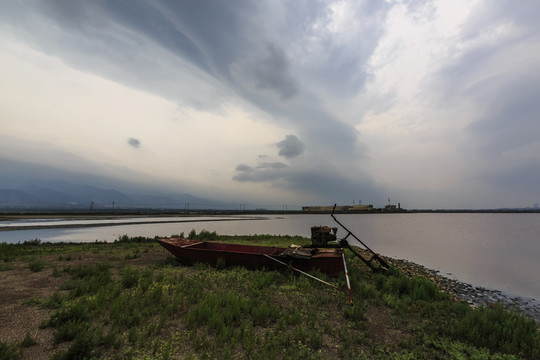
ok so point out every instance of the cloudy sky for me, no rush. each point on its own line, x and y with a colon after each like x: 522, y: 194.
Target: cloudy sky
x: 435, y: 104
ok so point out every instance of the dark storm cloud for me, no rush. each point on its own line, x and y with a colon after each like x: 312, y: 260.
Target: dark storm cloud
x: 290, y: 147
x: 134, y: 143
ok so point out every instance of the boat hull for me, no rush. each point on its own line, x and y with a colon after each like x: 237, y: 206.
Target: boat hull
x: 188, y: 252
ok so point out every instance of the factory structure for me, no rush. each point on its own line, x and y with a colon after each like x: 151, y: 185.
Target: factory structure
x: 359, y: 208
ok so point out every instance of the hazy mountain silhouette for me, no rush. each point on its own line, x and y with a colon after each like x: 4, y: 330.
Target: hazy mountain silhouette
x: 62, y: 194
x: 27, y: 185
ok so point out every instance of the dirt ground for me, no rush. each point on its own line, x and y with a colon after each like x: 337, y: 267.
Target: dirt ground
x: 21, y: 285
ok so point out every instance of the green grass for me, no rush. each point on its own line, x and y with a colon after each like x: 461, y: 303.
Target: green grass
x: 165, y: 310
x: 9, y: 351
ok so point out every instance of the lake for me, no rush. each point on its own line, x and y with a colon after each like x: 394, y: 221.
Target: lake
x: 494, y: 250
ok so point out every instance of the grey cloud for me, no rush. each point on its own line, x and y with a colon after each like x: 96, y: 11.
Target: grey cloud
x: 290, y: 147
x: 272, y: 72
x: 188, y: 51
x: 507, y: 96
x: 322, y: 182
x: 519, y: 183
x: 149, y: 46
x: 268, y: 171
x: 338, y: 64
x: 243, y: 168
x: 334, y: 187
x: 512, y: 119
x: 504, y: 90
x: 134, y: 143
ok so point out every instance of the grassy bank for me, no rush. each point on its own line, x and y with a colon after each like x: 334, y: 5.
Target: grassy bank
x: 131, y: 300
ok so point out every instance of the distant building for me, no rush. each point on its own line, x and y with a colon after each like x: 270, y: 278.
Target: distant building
x: 340, y: 208
x: 361, y: 208
x: 324, y: 208
x: 393, y: 208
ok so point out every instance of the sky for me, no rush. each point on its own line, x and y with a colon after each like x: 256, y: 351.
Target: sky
x: 432, y: 104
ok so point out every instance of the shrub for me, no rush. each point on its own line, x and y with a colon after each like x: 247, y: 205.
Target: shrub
x: 356, y: 313
x: 216, y: 311
x: 34, y: 242
x: 262, y: 312
x: 498, y: 329
x: 36, y: 266
x: 8, y: 351
x: 54, y: 302
x: 28, y: 341
x: 130, y: 277
x: 6, y: 267
x: 417, y: 288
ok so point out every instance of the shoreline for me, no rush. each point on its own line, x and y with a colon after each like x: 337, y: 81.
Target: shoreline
x: 89, y: 225
x: 473, y: 295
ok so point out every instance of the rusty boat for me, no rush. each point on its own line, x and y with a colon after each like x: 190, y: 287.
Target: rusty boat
x: 329, y: 261
x: 325, y: 253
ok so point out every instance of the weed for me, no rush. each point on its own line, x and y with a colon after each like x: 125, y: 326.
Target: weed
x: 54, y: 302
x: 262, y: 312
x: 34, y: 242
x: 56, y: 272
x: 217, y: 311
x: 83, y: 347
x: 6, y: 267
x: 8, y: 351
x: 36, y: 266
x: 498, y: 329
x: 355, y: 314
x: 130, y: 277
x: 32, y: 301
x: 28, y: 341
x: 134, y: 255
x: 192, y: 234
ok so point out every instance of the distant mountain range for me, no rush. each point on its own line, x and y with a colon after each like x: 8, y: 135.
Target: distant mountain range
x: 66, y: 195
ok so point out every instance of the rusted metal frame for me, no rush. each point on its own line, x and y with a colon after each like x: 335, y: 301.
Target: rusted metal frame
x: 375, y: 256
x: 308, y: 275
x: 358, y: 255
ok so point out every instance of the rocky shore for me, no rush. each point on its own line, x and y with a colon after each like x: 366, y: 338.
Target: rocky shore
x: 474, y: 295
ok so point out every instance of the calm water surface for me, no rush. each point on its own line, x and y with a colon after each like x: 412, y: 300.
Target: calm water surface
x: 499, y: 251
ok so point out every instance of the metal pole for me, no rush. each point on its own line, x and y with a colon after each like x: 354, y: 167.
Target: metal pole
x: 347, y: 277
